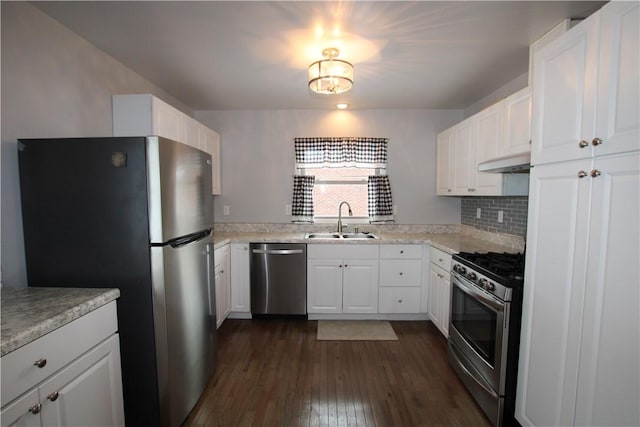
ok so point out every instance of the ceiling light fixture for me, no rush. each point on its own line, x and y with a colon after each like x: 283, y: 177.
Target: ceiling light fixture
x: 330, y: 76
x: 342, y: 106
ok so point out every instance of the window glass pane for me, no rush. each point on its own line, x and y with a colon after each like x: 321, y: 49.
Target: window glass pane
x: 327, y: 198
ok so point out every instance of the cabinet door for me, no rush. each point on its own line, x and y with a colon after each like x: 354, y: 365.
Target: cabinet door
x: 240, y: 278
x: 444, y: 166
x: 517, y: 129
x: 435, y: 311
x: 489, y: 135
x: 555, y: 275
x: 22, y: 412
x: 324, y: 286
x: 168, y: 122
x: 210, y: 143
x: 564, y: 95
x: 464, y: 159
x: 609, y: 381
x: 360, y: 286
x: 226, y: 284
x: 618, y: 108
x: 192, y: 132
x: 88, y: 392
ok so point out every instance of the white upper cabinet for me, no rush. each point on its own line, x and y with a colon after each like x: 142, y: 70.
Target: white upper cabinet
x: 143, y: 115
x: 444, y: 174
x: 585, y: 99
x: 517, y: 124
x: 489, y: 141
x: 464, y: 158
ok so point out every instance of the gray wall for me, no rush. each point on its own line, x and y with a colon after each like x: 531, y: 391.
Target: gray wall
x: 502, y: 92
x: 258, y: 159
x: 54, y: 84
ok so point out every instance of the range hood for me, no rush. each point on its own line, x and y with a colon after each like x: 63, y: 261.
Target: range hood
x: 508, y: 164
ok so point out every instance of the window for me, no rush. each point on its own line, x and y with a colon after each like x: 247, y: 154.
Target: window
x: 332, y: 170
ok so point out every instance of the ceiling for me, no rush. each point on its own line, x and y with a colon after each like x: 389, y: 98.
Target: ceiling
x: 218, y: 55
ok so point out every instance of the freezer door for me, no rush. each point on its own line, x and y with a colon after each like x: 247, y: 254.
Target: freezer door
x: 185, y: 325
x: 179, y: 186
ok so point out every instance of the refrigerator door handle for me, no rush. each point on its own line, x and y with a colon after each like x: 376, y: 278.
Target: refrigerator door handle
x: 185, y: 240
x: 211, y: 282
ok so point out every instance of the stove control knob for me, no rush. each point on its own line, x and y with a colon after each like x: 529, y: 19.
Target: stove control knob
x: 483, y: 282
x: 460, y: 269
x: 490, y: 286
x: 472, y: 276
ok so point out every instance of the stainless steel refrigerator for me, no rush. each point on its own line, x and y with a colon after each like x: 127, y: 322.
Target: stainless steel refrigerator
x: 134, y: 213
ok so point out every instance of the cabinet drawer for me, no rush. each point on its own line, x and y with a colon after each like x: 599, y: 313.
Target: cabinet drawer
x: 343, y: 250
x: 400, y: 272
x: 399, y: 300
x: 440, y: 258
x: 401, y: 251
x: 58, y: 347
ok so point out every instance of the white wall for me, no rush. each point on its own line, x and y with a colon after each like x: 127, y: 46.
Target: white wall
x: 54, y: 84
x: 258, y: 159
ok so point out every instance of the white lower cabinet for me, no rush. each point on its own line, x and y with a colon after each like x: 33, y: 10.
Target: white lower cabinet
x: 222, y: 262
x: 400, y: 279
x: 342, y: 279
x: 439, y: 300
x: 240, y: 278
x: 79, y: 383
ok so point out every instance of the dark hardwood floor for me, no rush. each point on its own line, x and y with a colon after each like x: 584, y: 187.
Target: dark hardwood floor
x: 275, y: 373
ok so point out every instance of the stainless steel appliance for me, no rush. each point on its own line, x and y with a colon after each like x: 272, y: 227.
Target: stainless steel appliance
x: 484, y: 329
x: 133, y: 213
x: 278, y: 279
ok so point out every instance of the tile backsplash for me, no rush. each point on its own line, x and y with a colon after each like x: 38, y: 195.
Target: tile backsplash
x: 514, y: 212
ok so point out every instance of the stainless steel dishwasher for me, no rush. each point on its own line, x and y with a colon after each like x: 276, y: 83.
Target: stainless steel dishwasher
x: 278, y: 279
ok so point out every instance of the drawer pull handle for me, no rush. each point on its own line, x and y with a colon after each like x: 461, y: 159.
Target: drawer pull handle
x: 53, y: 396
x: 401, y: 252
x: 35, y: 408
x: 401, y: 273
x: 400, y: 300
x: 40, y: 363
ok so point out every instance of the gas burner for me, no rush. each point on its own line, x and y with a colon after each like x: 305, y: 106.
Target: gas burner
x: 508, y: 269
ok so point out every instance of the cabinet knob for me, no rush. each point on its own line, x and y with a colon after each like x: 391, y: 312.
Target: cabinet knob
x: 53, y: 396
x: 440, y: 260
x: 400, y: 300
x: 40, y: 363
x: 345, y: 266
x: 596, y: 142
x: 582, y: 174
x: 245, y: 248
x: 471, y: 190
x: 340, y: 266
x: 35, y: 408
x: 449, y: 190
x: 401, y: 273
x: 595, y: 173
x: 583, y: 144
x: 401, y: 252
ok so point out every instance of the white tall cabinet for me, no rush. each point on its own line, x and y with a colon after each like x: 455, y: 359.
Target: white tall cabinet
x: 580, y: 343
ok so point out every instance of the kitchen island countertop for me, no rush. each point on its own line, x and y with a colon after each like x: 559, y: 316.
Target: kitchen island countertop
x: 29, y: 313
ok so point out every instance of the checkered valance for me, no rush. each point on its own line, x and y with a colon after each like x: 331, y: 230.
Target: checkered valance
x: 341, y: 151
x: 380, y: 203
x: 302, y: 206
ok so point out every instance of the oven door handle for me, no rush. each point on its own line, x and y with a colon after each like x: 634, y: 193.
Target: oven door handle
x: 485, y: 299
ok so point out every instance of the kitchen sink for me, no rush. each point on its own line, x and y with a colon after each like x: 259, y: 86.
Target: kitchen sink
x: 338, y: 236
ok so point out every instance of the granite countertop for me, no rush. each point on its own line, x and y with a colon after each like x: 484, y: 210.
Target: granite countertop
x: 448, y: 242
x: 29, y: 313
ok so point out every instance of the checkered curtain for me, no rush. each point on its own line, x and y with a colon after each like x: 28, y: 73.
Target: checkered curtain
x: 380, y: 203
x: 302, y: 206
x: 341, y: 151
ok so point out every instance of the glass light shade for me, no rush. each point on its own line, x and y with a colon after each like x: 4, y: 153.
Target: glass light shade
x: 330, y: 76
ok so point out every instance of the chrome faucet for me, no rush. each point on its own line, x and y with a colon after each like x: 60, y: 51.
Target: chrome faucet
x: 340, y: 215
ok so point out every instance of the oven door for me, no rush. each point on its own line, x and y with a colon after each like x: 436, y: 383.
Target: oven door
x: 479, y: 330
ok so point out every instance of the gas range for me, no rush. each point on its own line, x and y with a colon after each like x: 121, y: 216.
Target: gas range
x: 496, y: 273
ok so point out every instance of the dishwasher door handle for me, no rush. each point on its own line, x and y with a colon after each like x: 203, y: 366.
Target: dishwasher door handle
x: 277, y: 251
